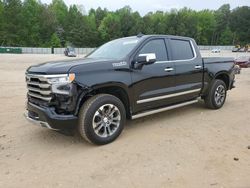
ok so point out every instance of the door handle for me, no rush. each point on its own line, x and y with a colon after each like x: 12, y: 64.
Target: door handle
x: 169, y: 69
x: 198, y: 67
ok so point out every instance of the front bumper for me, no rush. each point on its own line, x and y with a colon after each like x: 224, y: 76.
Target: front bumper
x: 47, y: 117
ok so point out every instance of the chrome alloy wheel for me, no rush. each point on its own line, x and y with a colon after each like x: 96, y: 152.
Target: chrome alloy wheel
x: 220, y: 95
x: 106, y: 120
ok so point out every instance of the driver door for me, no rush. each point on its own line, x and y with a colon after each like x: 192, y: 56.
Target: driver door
x: 154, y: 82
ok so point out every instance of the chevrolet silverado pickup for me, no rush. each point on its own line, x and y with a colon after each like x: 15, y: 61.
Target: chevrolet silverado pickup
x: 126, y: 78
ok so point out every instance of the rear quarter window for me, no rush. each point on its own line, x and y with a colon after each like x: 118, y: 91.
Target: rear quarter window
x: 181, y: 49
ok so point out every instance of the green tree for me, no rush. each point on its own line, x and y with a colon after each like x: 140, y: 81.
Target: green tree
x: 148, y: 24
x: 125, y: 16
x: 137, y: 24
x: 205, y: 27
x: 73, y: 24
x: 226, y: 37
x: 158, y: 20
x: 47, y: 24
x: 110, y: 27
x: 55, y: 41
x: 187, y: 22
x: 240, y: 24
x: 13, y: 27
x: 32, y: 23
x: 92, y: 37
x: 99, y: 14
x: 77, y: 27
x: 60, y: 10
x: 172, y: 22
x: 31, y: 10
x: 1, y: 22
x: 222, y: 16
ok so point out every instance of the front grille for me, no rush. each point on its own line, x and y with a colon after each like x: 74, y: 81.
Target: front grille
x: 38, y: 87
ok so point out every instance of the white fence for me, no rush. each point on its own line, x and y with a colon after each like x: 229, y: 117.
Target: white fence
x: 77, y: 50
x: 216, y: 47
x: 36, y: 50
x: 81, y: 51
x: 84, y: 51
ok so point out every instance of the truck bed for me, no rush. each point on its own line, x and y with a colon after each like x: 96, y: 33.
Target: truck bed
x: 209, y: 60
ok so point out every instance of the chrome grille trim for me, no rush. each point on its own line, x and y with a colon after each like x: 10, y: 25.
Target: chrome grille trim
x: 41, y: 76
x: 39, y: 87
x: 39, y: 96
x: 38, y: 84
x: 43, y: 92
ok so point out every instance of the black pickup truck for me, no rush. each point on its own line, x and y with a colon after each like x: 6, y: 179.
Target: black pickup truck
x: 127, y: 78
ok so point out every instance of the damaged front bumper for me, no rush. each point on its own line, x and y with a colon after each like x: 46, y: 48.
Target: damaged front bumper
x: 47, y: 117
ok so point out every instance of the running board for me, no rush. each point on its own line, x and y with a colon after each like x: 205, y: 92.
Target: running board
x: 164, y: 109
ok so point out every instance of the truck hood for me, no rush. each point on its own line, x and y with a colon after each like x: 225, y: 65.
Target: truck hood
x: 62, y: 67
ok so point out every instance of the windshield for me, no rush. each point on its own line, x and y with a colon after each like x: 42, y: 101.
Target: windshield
x: 116, y: 49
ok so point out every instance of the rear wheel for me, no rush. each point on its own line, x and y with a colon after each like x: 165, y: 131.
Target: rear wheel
x: 101, y: 119
x: 217, y: 95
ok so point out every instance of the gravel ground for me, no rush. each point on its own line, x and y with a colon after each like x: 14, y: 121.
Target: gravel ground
x: 186, y: 147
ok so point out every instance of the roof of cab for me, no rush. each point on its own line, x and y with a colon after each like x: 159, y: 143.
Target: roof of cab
x: 144, y: 37
x: 166, y: 36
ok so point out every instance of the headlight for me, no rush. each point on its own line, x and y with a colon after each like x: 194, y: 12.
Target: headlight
x: 62, y: 79
x: 62, y: 85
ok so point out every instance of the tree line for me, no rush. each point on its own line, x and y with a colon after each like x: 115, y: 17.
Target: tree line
x: 34, y: 24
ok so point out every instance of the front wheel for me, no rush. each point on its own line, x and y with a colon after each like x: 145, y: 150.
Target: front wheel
x: 101, y: 119
x: 217, y: 95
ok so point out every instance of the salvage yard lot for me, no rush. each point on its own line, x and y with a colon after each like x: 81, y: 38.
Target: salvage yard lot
x: 187, y: 147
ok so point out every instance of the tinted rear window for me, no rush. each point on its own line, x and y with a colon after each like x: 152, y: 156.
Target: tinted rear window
x: 181, y: 49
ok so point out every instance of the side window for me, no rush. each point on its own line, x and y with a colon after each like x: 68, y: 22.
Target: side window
x: 156, y: 46
x: 181, y: 49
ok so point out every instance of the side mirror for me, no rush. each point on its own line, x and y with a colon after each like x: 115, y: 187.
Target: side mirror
x: 146, y: 59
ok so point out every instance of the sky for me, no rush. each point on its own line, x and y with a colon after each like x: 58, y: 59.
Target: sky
x: 145, y: 6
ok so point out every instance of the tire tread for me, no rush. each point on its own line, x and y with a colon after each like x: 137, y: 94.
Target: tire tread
x: 209, y: 98
x: 84, y: 112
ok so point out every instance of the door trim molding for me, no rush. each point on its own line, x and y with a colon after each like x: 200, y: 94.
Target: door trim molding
x: 164, y: 109
x: 167, y: 96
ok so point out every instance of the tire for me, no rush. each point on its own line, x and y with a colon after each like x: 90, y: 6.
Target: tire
x: 101, y: 119
x: 217, y: 95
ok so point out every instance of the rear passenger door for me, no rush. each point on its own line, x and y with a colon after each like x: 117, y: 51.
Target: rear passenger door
x: 188, y: 68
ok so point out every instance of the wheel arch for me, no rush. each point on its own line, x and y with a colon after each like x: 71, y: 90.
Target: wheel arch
x: 116, y: 89
x: 224, y: 77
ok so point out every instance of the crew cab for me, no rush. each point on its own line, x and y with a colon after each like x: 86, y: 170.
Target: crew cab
x: 126, y: 78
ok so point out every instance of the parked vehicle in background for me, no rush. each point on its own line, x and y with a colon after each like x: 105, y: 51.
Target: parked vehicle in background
x: 70, y: 52
x: 127, y: 78
x: 239, y: 48
x: 236, y: 48
x: 242, y: 49
x: 243, y: 62
x: 247, y: 48
x: 216, y: 50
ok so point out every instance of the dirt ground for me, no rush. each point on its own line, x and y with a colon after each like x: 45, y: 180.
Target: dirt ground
x: 186, y: 147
